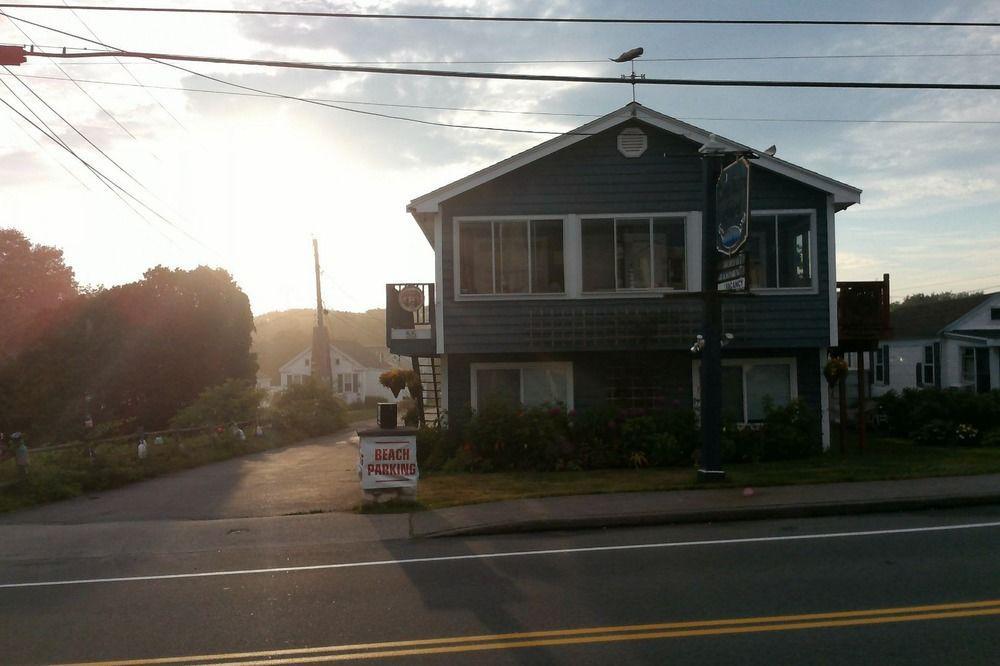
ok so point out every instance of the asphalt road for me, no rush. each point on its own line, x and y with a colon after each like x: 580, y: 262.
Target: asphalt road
x: 307, y: 477
x: 879, y: 589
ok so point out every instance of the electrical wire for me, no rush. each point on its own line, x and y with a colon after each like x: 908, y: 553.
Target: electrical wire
x: 77, y: 131
x: 303, y: 99
x: 605, y: 61
x: 915, y: 121
x: 506, y: 19
x: 104, y: 177
x: 129, y: 72
x: 105, y: 180
x: 559, y: 78
x: 46, y: 149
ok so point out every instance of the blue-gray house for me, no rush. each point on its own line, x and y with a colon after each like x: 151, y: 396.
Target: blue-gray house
x: 571, y: 273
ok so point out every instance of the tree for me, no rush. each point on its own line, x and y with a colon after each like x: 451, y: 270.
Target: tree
x: 232, y: 401
x: 136, y: 353
x: 936, y: 297
x: 309, y: 409
x: 34, y: 281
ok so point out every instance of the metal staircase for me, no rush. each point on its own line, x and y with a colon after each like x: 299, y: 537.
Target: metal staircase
x: 429, y: 405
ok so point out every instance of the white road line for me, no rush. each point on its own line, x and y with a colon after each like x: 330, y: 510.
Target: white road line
x: 518, y: 553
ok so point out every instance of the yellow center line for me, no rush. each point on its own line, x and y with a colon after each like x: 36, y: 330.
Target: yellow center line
x: 584, y: 635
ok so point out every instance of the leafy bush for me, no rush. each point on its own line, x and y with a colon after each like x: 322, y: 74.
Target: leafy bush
x: 938, y: 432
x: 790, y: 432
x: 232, y: 401
x: 908, y: 412
x: 991, y: 439
x: 309, y: 409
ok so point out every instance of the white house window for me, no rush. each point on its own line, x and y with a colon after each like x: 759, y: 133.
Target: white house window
x: 779, y: 251
x: 511, y: 257
x: 926, y: 373
x: 528, y: 384
x: 881, y: 356
x: 968, y: 365
x: 347, y: 382
x: 633, y: 253
x: 748, y: 386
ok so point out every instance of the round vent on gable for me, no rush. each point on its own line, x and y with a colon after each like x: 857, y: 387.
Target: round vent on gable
x: 632, y: 142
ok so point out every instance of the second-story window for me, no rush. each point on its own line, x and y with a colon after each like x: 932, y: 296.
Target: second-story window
x: 621, y: 254
x: 779, y: 251
x: 511, y: 257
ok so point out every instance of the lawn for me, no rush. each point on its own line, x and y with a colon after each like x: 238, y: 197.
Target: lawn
x: 885, y: 458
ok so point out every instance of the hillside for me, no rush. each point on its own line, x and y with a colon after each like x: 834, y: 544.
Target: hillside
x: 282, y: 335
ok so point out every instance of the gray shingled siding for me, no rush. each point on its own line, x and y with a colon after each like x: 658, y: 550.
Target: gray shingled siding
x: 591, y: 177
x: 593, y: 374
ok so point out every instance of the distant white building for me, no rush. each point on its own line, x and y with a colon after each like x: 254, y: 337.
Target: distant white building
x: 355, y: 369
x: 947, y: 344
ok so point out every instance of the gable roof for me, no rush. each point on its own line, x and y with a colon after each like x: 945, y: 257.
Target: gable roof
x: 927, y: 320
x: 844, y: 195
x: 357, y: 353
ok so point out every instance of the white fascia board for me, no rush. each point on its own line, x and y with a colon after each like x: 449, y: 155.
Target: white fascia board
x: 989, y: 301
x: 844, y: 195
x: 295, y: 359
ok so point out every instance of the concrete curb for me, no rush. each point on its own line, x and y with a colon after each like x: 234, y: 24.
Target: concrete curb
x: 779, y: 511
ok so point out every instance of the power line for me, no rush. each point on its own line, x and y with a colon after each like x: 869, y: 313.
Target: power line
x: 127, y: 71
x: 45, y: 148
x: 77, y: 131
x: 301, y: 99
x: 105, y: 180
x: 605, y: 61
x: 915, y: 121
x: 559, y: 78
x: 507, y: 19
x: 118, y: 187
x: 87, y: 94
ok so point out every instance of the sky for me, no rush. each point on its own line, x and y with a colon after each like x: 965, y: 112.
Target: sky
x: 245, y: 182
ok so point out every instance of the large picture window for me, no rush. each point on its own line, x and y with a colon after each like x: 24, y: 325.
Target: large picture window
x: 750, y: 385
x: 511, y: 257
x: 621, y: 254
x: 528, y: 384
x: 779, y: 251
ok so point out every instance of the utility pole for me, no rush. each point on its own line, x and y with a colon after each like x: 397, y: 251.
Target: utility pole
x: 321, y: 371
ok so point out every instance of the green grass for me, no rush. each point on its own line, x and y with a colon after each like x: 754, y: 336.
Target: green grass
x: 58, y: 475
x: 884, y: 459
x: 360, y: 414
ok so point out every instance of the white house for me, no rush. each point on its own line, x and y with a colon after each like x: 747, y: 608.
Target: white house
x: 355, y: 368
x: 946, y: 344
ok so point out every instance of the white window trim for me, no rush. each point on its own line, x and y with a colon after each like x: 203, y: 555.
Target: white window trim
x: 813, y: 253
x: 456, y: 222
x: 961, y: 365
x: 692, y: 255
x: 793, y: 377
x: 565, y: 366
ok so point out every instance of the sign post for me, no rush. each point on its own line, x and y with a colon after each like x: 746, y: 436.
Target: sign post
x: 724, y: 232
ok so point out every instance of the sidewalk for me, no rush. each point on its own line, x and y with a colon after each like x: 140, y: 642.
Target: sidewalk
x: 710, y: 505
x: 30, y: 540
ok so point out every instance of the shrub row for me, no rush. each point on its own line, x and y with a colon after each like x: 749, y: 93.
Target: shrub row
x: 942, y: 417
x: 505, y: 438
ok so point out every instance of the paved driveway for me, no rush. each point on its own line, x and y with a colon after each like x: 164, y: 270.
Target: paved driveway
x: 315, y: 476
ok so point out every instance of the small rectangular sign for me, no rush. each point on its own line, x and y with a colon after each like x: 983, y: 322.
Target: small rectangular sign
x: 388, y: 462
x: 734, y: 261
x: 738, y: 284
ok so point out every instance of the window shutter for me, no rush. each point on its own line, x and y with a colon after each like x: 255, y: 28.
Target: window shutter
x: 937, y: 364
x: 885, y: 364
